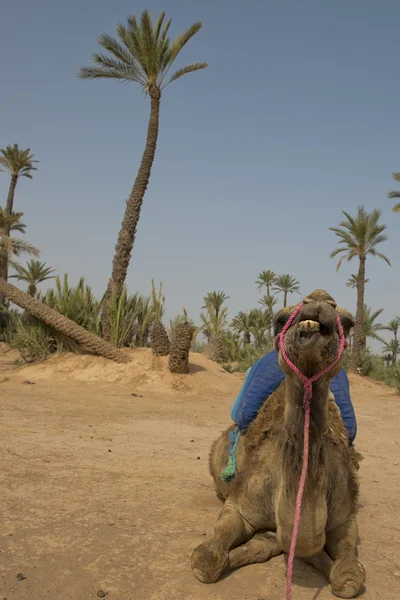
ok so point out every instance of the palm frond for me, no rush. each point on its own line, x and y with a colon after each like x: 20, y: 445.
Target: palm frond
x: 188, y: 69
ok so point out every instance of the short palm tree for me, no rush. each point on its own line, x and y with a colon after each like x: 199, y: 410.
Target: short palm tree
x: 393, y: 326
x: 286, y: 284
x: 393, y: 347
x: 17, y: 163
x: 371, y: 328
x: 216, y: 299
x: 352, y: 281
x: 267, y: 279
x: 395, y: 194
x: 359, y: 237
x: 144, y: 54
x: 34, y: 273
x: 261, y: 323
x: 243, y: 324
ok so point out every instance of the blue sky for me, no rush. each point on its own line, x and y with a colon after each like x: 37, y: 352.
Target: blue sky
x: 296, y: 119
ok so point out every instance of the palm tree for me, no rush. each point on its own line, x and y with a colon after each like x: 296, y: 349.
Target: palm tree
x: 393, y: 326
x: 261, y: 322
x: 352, y: 281
x: 10, y: 246
x: 214, y: 329
x: 144, y: 55
x: 359, y: 237
x: 243, y: 323
x: 393, y: 347
x: 287, y: 284
x: 61, y: 323
x: 34, y: 273
x: 18, y: 163
x: 216, y: 299
x: 396, y: 193
x: 370, y: 327
x: 266, y: 278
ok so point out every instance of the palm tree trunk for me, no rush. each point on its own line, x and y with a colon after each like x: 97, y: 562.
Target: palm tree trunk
x: 246, y: 338
x: 358, y: 336
x: 60, y: 323
x: 6, y: 230
x: 284, y: 299
x: 32, y: 289
x: 10, y: 198
x: 127, y: 234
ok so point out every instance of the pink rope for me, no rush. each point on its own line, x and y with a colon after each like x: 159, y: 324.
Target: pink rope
x: 307, y: 384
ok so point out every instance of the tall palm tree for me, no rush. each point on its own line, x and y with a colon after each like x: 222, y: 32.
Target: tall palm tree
x: 17, y: 163
x: 286, y: 284
x: 370, y: 327
x: 359, y: 237
x: 216, y: 299
x: 395, y: 194
x: 243, y: 324
x: 267, y: 279
x: 34, y: 273
x: 352, y: 281
x: 144, y: 55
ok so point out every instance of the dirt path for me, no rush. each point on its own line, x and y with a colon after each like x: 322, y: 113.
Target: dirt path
x: 105, y: 491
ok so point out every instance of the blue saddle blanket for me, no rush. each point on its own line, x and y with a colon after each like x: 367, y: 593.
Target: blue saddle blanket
x: 266, y: 375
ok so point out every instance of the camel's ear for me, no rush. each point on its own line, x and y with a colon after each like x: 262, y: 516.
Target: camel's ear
x: 282, y: 317
x: 346, y: 319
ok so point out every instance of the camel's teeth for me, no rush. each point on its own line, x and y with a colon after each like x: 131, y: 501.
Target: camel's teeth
x: 309, y: 325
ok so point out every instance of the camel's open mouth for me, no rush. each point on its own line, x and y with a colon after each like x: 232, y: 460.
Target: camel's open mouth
x: 308, y: 329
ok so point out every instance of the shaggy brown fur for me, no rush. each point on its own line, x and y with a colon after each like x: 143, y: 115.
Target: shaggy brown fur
x: 256, y: 522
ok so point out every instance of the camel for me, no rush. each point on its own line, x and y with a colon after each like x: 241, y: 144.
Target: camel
x: 257, y: 518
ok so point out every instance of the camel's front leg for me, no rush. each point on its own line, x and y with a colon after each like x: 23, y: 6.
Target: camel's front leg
x: 260, y: 548
x: 210, y: 559
x: 347, y: 573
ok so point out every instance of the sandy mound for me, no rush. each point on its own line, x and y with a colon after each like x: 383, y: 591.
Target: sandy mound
x: 145, y: 373
x: 8, y: 357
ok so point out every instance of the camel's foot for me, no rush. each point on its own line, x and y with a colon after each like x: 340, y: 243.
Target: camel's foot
x: 347, y: 577
x: 209, y: 560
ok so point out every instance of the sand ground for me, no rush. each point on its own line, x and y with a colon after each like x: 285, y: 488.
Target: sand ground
x: 103, y: 490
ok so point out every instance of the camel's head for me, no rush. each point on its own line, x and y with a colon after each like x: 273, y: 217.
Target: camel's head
x: 312, y: 341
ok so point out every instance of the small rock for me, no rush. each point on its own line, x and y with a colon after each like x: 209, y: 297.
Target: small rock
x: 191, y: 440
x: 204, y: 533
x: 396, y: 464
x: 396, y: 573
x: 101, y: 594
x: 20, y: 577
x: 109, y: 450
x: 198, y: 458
x: 27, y: 382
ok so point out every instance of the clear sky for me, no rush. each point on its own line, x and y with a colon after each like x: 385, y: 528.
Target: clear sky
x: 296, y: 119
